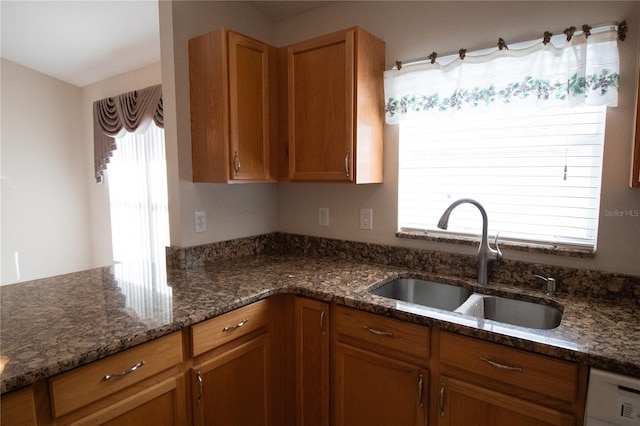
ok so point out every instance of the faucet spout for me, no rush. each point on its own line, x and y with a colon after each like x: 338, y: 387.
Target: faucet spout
x: 486, y: 254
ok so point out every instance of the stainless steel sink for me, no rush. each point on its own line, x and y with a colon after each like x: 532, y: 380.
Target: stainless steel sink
x: 426, y: 293
x: 521, y: 313
x: 461, y: 300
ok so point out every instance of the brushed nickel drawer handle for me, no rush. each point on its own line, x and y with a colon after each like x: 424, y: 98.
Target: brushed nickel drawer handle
x: 378, y: 332
x: 442, y: 399
x: 501, y: 366
x: 346, y: 164
x: 236, y: 162
x: 238, y: 325
x: 200, y: 386
x: 125, y: 372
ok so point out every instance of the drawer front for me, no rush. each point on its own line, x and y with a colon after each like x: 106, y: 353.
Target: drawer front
x: 389, y: 333
x: 537, y: 373
x: 217, y: 331
x: 84, y: 385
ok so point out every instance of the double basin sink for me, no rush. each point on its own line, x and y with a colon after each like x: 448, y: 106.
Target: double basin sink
x: 464, y: 301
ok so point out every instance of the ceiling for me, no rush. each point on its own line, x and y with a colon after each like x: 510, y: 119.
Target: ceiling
x: 81, y: 42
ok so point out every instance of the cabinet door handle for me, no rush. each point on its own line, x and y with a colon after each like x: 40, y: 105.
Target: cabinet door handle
x: 236, y: 162
x: 346, y: 164
x: 238, y: 325
x: 442, y: 399
x: 200, y: 386
x: 420, y: 391
x: 125, y: 372
x: 378, y: 332
x: 322, y: 321
x: 501, y: 366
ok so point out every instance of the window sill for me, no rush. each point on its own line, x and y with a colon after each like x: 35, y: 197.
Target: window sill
x: 510, y: 245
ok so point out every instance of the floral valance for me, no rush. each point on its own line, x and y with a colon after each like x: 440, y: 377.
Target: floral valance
x: 565, y: 73
x: 114, y: 116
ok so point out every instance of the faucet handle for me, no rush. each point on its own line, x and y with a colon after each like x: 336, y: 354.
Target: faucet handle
x: 498, y: 252
x: 551, y: 284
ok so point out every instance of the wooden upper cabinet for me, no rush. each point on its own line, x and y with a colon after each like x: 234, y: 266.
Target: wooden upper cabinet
x: 233, y: 93
x: 335, y: 105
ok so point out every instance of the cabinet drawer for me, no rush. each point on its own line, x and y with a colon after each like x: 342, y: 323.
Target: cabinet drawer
x: 388, y: 333
x: 536, y: 373
x: 217, y: 331
x: 84, y: 385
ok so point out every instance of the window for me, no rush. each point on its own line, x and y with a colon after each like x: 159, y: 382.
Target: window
x: 521, y: 131
x: 536, y: 172
x: 137, y: 179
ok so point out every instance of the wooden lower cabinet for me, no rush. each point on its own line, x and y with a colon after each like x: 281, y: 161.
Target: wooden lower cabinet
x: 312, y: 362
x: 464, y: 404
x: 159, y: 404
x: 230, y: 386
x: 371, y: 389
x: 379, y: 371
x: 144, y: 385
x: 330, y: 365
x: 483, y: 383
x: 18, y: 408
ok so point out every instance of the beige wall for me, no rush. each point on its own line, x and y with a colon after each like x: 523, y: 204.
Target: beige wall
x: 54, y: 215
x: 45, y: 216
x: 410, y: 29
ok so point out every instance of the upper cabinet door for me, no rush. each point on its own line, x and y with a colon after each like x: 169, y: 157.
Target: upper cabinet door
x: 336, y: 108
x: 232, y: 88
x: 321, y: 79
x: 249, y: 94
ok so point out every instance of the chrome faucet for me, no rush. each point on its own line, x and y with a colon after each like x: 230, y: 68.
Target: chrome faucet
x: 485, y: 253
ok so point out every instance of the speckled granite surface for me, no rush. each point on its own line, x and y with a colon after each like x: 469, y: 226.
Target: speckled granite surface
x: 52, y: 325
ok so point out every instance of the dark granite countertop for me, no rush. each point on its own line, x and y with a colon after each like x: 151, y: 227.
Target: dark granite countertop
x: 52, y: 325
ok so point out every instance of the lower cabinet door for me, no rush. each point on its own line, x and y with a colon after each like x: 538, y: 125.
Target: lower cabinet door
x: 312, y: 362
x: 232, y: 386
x: 159, y: 404
x: 372, y: 389
x: 464, y: 404
x: 18, y: 408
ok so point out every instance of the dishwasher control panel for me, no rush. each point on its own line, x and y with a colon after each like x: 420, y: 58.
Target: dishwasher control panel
x: 612, y: 400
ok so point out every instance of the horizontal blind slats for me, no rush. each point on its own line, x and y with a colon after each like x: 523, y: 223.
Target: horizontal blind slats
x: 513, y: 164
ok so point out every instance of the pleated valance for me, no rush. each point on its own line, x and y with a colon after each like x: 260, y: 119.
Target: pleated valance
x: 129, y: 112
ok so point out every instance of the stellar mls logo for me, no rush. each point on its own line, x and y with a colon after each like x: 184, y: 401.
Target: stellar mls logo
x: 622, y: 213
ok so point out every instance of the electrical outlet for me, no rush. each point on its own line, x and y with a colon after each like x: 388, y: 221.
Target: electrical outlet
x: 366, y: 219
x: 200, y: 221
x: 323, y: 216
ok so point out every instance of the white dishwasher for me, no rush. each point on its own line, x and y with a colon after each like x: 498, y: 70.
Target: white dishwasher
x: 612, y: 399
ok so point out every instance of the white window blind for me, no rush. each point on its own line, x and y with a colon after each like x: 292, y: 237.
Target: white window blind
x: 536, y: 171
x: 137, y: 179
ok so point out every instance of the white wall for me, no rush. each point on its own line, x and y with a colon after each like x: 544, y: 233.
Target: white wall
x: 45, y: 216
x: 410, y: 29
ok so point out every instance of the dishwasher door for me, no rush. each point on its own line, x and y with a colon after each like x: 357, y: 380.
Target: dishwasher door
x: 612, y: 400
